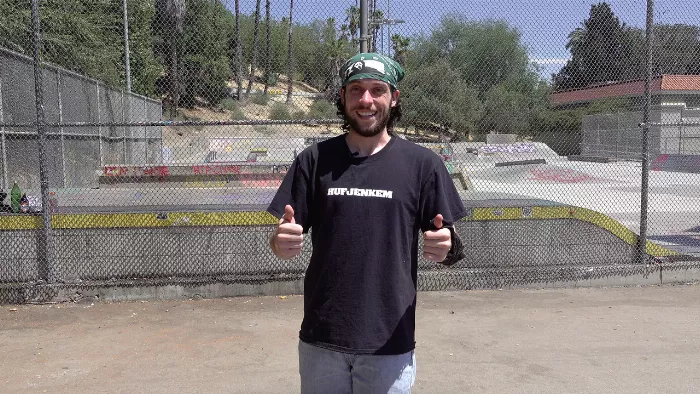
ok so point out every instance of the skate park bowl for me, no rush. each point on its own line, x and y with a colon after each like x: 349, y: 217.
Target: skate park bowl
x: 166, y: 231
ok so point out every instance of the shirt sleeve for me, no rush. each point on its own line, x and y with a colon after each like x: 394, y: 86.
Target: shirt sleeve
x: 439, y: 196
x: 295, y: 190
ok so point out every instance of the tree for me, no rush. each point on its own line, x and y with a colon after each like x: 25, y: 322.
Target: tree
x: 486, y: 53
x: 353, y: 19
x: 170, y: 17
x: 606, y: 50
x: 268, y: 46
x: 204, y: 62
x: 290, y: 59
x: 145, y: 68
x: 86, y: 37
x: 676, y: 49
x: 237, y: 57
x: 376, y: 18
x: 336, y: 49
x: 400, y: 45
x: 254, y: 52
x: 514, y: 105
x: 435, y: 94
x: 597, y: 52
x: 479, y: 71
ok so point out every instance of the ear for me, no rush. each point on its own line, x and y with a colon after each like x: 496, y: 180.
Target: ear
x: 342, y: 95
x: 394, y: 97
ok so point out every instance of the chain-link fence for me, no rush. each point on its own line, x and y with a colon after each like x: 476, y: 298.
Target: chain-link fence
x: 163, y: 128
x: 74, y: 153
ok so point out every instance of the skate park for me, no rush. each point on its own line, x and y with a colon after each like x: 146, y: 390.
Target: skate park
x: 536, y: 219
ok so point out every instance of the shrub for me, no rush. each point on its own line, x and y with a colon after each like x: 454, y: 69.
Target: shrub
x: 260, y: 98
x: 279, y: 111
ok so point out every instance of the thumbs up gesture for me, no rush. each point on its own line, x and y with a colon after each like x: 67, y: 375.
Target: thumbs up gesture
x: 287, y: 240
x: 437, y: 243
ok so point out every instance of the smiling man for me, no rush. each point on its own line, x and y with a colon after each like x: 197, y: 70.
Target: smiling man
x: 366, y: 196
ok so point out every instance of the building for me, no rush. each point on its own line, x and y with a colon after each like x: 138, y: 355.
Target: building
x: 674, y: 118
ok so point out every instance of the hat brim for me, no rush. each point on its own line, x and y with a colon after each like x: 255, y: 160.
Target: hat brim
x: 377, y: 77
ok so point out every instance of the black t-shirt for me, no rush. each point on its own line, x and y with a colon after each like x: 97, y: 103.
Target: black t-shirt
x: 365, y: 215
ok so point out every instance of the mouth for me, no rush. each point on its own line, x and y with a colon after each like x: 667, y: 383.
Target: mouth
x: 366, y: 115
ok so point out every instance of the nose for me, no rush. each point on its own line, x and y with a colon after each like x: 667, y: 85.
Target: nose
x: 366, y: 97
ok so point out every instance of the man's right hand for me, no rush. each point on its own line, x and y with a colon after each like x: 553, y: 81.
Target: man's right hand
x: 287, y: 240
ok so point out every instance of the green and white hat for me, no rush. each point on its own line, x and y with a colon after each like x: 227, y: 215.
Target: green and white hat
x: 372, y: 66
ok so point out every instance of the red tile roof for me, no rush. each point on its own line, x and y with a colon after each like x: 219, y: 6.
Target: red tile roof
x: 629, y: 88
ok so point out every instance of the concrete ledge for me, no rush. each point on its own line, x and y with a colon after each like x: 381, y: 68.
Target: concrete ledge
x: 443, y: 279
x: 158, y: 289
x: 559, y: 277
x: 592, y: 159
x: 520, y: 162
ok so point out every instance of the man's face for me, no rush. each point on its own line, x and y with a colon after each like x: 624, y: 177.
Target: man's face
x: 368, y: 103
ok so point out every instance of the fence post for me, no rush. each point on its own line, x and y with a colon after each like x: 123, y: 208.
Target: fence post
x: 644, y: 217
x: 45, y: 244
x: 99, y: 126
x: 363, y: 26
x: 5, y: 182
x: 61, y: 129
x: 126, y: 47
x: 145, y: 132
x: 124, y: 128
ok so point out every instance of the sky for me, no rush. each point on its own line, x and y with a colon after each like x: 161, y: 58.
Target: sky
x: 543, y: 24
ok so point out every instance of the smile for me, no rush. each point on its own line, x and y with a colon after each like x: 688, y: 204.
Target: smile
x: 366, y: 114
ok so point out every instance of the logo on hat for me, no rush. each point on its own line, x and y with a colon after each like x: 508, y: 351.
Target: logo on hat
x: 356, y: 66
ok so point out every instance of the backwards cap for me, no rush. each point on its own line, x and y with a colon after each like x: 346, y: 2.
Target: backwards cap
x: 372, y: 66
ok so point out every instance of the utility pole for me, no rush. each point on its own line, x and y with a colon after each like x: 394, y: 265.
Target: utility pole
x: 363, y: 26
x: 126, y: 47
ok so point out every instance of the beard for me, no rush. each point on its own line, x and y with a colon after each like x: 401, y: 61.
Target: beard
x: 381, y: 121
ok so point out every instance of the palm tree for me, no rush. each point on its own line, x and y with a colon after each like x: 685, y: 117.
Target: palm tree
x: 400, y: 46
x: 337, y: 51
x: 290, y: 60
x: 237, y: 57
x: 268, y: 44
x: 173, y: 13
x: 251, y: 77
x: 353, y: 19
x: 376, y: 16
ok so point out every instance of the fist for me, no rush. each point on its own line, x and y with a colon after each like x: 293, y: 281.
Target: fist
x: 437, y: 243
x: 287, y: 240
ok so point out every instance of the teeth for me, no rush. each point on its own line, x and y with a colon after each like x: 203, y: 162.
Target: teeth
x: 366, y: 113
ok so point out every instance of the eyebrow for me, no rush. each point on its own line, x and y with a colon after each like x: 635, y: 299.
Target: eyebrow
x: 372, y: 84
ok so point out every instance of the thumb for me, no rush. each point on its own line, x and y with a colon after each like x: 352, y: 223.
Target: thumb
x: 288, y: 214
x: 437, y: 221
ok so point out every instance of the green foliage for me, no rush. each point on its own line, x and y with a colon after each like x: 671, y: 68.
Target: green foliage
x: 86, y: 37
x: 604, y: 49
x: 472, y: 77
x: 435, y: 93
x: 485, y: 53
x: 299, y: 115
x: 322, y: 109
x: 233, y: 106
x: 260, y: 98
x: 280, y: 111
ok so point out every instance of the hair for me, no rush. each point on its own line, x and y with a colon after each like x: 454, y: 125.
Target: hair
x: 394, y: 114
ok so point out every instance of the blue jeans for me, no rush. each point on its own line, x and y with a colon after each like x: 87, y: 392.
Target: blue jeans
x: 327, y: 371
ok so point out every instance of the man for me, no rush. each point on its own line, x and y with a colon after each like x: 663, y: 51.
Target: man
x: 365, y: 195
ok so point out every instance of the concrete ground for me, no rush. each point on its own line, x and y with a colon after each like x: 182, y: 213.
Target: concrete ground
x: 602, y: 340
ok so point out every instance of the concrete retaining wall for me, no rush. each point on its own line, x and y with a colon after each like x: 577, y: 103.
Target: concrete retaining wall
x: 179, y: 258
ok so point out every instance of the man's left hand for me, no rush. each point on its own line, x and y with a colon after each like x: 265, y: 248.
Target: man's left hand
x: 437, y: 243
